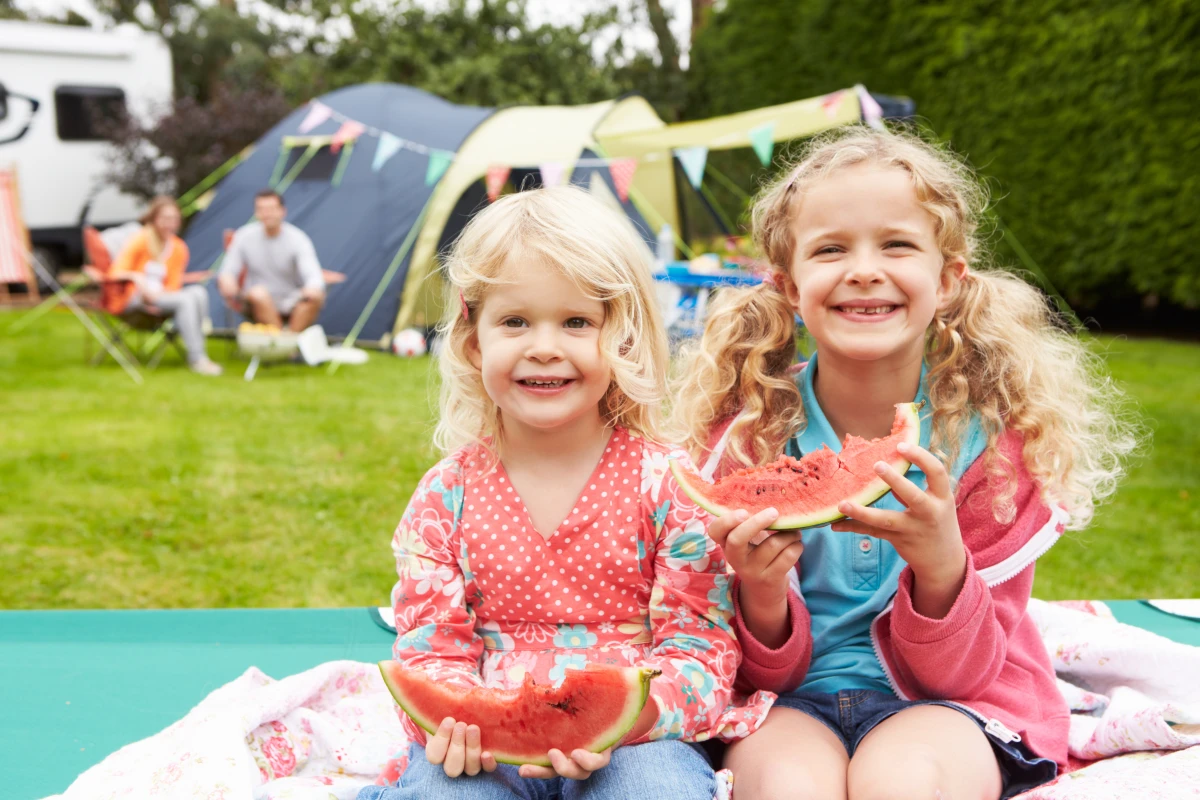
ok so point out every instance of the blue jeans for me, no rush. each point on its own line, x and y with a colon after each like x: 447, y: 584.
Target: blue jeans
x: 664, y: 770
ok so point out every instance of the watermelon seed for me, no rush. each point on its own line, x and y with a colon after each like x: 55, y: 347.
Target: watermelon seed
x: 564, y: 705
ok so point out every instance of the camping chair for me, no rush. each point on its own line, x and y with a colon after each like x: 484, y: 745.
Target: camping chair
x: 142, y: 335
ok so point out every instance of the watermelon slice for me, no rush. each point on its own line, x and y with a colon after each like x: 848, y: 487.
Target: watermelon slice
x: 592, y: 709
x: 807, y: 492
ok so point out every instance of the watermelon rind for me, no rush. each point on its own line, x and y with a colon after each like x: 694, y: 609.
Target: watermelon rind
x: 907, y: 413
x: 637, y: 679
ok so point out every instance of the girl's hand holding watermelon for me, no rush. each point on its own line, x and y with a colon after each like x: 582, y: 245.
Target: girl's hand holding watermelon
x: 926, y: 535
x: 762, y: 560
x: 456, y: 746
x: 578, y: 766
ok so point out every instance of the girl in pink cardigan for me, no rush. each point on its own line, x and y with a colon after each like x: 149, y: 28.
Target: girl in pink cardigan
x: 898, y: 639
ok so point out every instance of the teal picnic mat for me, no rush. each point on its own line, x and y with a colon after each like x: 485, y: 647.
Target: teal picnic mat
x: 78, y: 685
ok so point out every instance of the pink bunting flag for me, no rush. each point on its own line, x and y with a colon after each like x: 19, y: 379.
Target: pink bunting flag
x: 830, y: 103
x: 872, y: 113
x: 349, y: 131
x: 552, y: 173
x: 622, y: 170
x: 317, y: 113
x: 497, y: 174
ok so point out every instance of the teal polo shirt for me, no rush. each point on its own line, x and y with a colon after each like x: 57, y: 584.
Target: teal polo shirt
x: 847, y: 579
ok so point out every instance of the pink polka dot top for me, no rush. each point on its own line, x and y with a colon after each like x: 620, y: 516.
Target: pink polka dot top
x: 629, y: 577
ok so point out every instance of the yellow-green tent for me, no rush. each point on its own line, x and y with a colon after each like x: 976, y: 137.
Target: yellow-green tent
x: 526, y: 136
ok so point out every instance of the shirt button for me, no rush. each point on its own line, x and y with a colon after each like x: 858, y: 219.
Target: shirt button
x: 865, y: 545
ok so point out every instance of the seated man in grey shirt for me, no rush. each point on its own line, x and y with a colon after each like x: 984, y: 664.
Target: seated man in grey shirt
x: 282, y: 275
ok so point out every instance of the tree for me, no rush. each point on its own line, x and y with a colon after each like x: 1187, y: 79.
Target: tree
x: 1081, y: 111
x: 190, y: 139
x: 485, y: 53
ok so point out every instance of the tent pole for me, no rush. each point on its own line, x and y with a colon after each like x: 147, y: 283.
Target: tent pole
x: 342, y: 162
x: 715, y: 209
x: 388, y: 274
x: 725, y: 181
x: 284, y: 150
x: 1064, y: 307
x: 187, y: 200
x: 297, y: 168
x: 643, y: 206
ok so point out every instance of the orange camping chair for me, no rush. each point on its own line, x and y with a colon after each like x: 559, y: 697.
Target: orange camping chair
x: 141, y: 335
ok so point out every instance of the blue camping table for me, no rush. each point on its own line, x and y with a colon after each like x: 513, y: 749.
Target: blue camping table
x: 78, y: 685
x: 694, y: 291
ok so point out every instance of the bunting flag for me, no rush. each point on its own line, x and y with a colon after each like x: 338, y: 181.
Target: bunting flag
x: 497, y: 174
x: 350, y: 130
x: 872, y: 113
x: 762, y: 139
x: 439, y: 160
x: 693, y: 160
x: 388, y: 146
x: 622, y: 170
x: 551, y: 172
x: 317, y: 113
x: 830, y: 103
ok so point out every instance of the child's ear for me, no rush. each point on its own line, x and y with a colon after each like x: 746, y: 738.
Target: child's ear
x: 474, y: 355
x: 954, y: 271
x: 790, y: 290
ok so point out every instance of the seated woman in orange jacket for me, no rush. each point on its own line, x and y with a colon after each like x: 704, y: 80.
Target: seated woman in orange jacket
x: 153, y: 261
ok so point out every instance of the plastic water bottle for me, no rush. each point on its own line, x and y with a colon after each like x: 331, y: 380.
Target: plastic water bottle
x: 665, y: 251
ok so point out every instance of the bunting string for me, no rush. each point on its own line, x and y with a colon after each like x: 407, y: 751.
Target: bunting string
x: 693, y: 159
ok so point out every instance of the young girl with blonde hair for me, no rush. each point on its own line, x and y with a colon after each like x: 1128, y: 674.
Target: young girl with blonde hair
x: 898, y: 639
x: 552, y: 534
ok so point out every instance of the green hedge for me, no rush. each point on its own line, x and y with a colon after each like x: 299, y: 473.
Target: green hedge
x: 1081, y: 113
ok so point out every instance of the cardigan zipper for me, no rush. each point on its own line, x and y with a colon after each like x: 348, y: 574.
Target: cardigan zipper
x: 993, y: 576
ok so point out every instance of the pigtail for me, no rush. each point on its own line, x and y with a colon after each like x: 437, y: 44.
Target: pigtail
x: 1001, y: 352
x: 740, y: 366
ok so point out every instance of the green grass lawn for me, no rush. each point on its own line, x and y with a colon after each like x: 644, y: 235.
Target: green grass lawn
x: 194, y: 492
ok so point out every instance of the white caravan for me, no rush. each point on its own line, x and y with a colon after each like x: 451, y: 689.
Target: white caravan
x: 54, y: 82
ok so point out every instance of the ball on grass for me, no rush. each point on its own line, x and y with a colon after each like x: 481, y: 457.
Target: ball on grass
x: 409, y: 343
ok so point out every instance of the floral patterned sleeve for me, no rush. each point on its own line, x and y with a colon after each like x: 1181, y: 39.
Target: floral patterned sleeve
x: 690, y: 612
x: 432, y: 600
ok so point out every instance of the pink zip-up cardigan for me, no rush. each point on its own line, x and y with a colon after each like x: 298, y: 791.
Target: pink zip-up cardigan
x: 986, y: 654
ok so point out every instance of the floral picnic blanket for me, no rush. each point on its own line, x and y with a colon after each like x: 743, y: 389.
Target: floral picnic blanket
x: 327, y: 732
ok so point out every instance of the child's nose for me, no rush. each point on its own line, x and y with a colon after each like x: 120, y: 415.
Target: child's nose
x: 863, y: 270
x: 544, y: 344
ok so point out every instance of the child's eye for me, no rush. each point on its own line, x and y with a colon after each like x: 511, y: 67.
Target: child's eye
x: 513, y: 322
x: 827, y: 249
x: 577, y: 322
x: 900, y: 243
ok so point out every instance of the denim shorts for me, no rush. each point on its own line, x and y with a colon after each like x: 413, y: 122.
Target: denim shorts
x: 854, y: 713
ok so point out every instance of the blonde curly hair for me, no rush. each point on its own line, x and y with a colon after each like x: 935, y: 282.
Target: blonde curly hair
x: 595, y: 248
x: 996, y: 351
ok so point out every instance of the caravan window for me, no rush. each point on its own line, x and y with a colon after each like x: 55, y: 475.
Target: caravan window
x: 82, y: 111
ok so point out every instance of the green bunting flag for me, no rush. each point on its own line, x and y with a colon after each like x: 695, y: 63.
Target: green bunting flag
x: 693, y: 160
x: 439, y: 160
x: 388, y: 146
x: 762, y: 139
